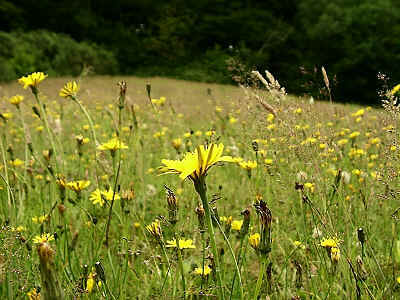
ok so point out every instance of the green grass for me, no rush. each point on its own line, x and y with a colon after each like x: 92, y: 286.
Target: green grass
x: 341, y: 193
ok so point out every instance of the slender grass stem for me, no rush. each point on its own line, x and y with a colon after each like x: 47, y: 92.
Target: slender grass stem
x: 201, y: 187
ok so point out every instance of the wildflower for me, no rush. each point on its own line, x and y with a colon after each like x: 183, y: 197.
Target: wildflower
x: 177, y: 143
x: 342, y: 142
x: 183, y: 244
x: 99, y: 197
x: 329, y: 243
x: 44, y: 238
x: 270, y: 118
x: 393, y: 148
x: 358, y: 113
x: 203, y: 271
x: 19, y: 229
x: 298, y: 111
x: 210, y: 133
x: 32, y: 80
x: 159, y: 102
x: 299, y: 244
x: 90, y: 282
x: 237, y: 225
x: 154, y: 229
x: 232, y: 120
x: 112, y: 145
x: 310, y: 186
x: 354, y: 134
x: 198, y: 133
x: 254, y: 240
x: 34, y: 294
x: 70, y: 89
x: 40, y: 219
x: 195, y: 164
x: 17, y: 162
x: 16, y: 100
x: 335, y: 254
x: 39, y: 128
x: 248, y: 165
x: 78, y: 186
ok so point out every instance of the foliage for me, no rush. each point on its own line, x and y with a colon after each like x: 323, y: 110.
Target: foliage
x: 55, y: 54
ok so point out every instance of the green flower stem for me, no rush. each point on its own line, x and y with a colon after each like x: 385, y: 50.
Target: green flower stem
x: 234, y: 259
x: 239, y: 261
x: 46, y: 125
x: 180, y: 261
x: 260, y: 276
x: 201, y: 187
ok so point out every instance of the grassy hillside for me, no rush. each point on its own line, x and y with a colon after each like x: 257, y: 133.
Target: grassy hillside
x: 328, y: 174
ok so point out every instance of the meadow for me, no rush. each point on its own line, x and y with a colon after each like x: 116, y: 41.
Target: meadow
x: 153, y: 188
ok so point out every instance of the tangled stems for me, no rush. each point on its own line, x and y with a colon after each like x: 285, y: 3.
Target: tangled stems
x: 201, y: 188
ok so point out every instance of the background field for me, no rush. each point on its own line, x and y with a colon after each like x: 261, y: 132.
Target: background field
x: 344, y: 159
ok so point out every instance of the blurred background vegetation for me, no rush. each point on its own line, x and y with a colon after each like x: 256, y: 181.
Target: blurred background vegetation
x: 193, y: 39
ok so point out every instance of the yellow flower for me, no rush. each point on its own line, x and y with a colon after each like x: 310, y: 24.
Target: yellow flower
x: 298, y: 111
x: 354, y: 134
x: 204, y: 272
x: 16, y: 100
x: 17, y: 162
x: 210, y: 133
x: 70, y: 89
x: 342, y: 142
x: 335, y: 254
x: 33, y: 294
x: 112, y: 145
x: 254, y: 240
x: 154, y: 229
x: 218, y: 109
x: 310, y: 186
x: 398, y: 280
x: 39, y: 128
x: 237, y: 224
x: 78, y: 186
x: 358, y: 113
x: 44, y: 238
x: 268, y: 161
x: 198, y: 133
x: 177, y: 143
x: 329, y: 243
x: 183, y: 244
x: 90, y: 282
x: 136, y: 225
x: 40, y: 219
x: 32, y: 80
x: 99, y: 197
x: 248, y: 165
x: 195, y: 164
x: 299, y: 244
x: 6, y: 115
x: 232, y: 120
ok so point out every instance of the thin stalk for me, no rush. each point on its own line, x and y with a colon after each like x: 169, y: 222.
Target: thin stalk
x: 239, y: 260
x: 181, y: 266
x: 260, y: 277
x: 200, y: 187
x: 46, y: 125
x: 233, y: 258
